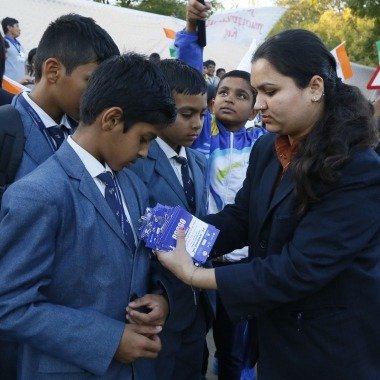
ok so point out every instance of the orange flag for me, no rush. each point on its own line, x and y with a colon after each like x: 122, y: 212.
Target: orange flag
x: 12, y: 86
x: 169, y: 33
x: 344, y: 69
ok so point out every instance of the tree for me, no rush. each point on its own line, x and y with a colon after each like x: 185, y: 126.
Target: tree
x: 365, y: 8
x: 175, y: 8
x: 334, y: 22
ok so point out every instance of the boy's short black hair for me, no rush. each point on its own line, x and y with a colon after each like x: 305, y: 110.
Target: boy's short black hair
x: 74, y: 40
x: 209, y: 62
x: 135, y: 85
x: 211, y: 92
x: 7, y: 21
x: 154, y: 57
x: 31, y: 54
x: 182, y: 78
x: 242, y: 75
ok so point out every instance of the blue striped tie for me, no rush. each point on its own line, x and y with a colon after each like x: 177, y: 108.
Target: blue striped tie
x: 188, y: 184
x: 57, y: 134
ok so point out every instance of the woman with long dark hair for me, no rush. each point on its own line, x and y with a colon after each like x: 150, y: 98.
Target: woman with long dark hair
x: 309, y: 210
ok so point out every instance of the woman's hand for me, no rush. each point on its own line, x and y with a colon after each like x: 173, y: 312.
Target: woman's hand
x: 181, y: 264
x: 178, y: 261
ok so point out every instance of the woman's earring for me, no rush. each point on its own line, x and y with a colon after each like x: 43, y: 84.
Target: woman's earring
x: 317, y: 100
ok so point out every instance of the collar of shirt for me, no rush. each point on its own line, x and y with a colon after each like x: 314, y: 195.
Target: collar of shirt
x: 46, y: 119
x: 12, y: 40
x: 285, y: 151
x: 169, y: 151
x: 92, y: 165
x: 170, y: 154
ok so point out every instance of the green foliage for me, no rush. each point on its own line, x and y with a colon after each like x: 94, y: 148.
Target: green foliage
x: 365, y: 8
x: 334, y: 22
x: 175, y: 8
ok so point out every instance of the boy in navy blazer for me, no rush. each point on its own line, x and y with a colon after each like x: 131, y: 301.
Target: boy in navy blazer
x: 70, y: 258
x: 69, y: 51
x: 184, y: 333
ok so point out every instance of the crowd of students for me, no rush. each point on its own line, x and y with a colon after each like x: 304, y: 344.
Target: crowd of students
x: 107, y: 135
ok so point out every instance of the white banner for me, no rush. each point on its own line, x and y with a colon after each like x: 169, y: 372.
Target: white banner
x: 242, y: 26
x: 245, y: 63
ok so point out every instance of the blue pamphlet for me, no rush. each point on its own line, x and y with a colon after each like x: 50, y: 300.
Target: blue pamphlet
x: 159, y: 231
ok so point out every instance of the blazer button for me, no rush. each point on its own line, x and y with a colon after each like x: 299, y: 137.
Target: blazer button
x: 263, y: 244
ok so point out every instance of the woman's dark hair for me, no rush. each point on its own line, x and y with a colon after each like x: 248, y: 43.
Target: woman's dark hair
x: 346, y: 124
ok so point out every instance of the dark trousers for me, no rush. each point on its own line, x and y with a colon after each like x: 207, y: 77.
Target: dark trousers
x: 8, y: 360
x: 182, y: 351
x: 229, y: 341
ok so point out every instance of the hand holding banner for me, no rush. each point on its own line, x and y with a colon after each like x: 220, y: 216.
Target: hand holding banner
x: 201, y: 29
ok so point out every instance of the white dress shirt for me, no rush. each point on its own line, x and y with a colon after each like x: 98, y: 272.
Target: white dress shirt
x: 94, y: 167
x: 170, y: 154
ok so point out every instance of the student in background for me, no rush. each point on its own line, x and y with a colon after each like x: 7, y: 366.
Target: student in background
x: 15, y: 64
x: 31, y: 61
x: 5, y: 96
x: 64, y: 289
x: 176, y: 175
x: 220, y: 72
x: 210, y: 77
x: 211, y: 92
x: 227, y: 143
x: 30, y: 66
x: 69, y: 51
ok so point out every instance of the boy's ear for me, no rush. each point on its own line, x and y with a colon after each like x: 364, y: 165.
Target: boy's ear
x: 111, y: 118
x: 52, y: 70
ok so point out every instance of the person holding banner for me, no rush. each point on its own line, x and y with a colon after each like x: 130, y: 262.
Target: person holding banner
x: 309, y: 209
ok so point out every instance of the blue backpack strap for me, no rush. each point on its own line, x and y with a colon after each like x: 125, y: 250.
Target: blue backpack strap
x: 11, y: 144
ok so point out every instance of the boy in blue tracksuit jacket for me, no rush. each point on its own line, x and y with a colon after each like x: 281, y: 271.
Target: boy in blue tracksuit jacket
x: 227, y: 144
x: 224, y: 139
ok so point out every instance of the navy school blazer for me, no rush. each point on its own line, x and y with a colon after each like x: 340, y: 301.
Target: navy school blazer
x: 312, y: 287
x: 163, y: 187
x: 68, y: 273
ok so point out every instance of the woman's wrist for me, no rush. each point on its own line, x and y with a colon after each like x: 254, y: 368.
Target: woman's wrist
x: 191, y: 280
